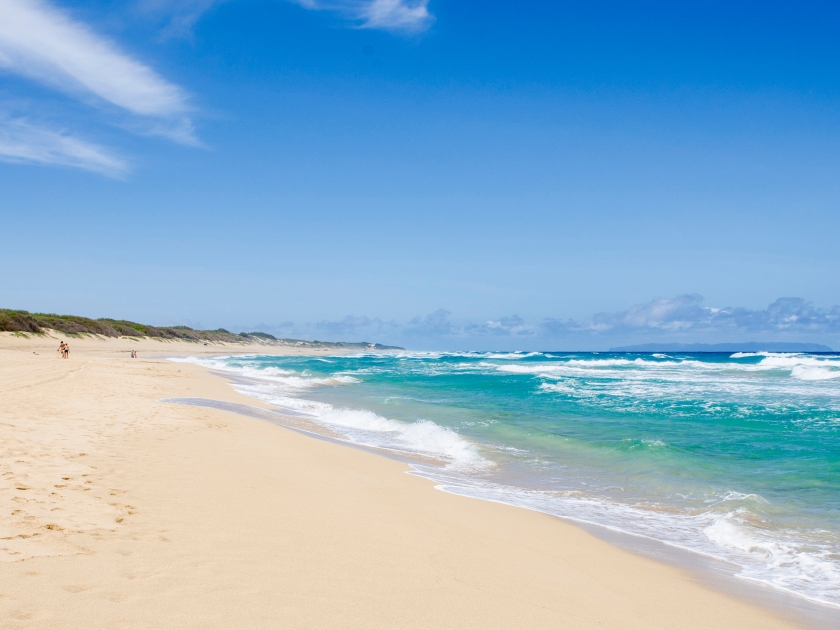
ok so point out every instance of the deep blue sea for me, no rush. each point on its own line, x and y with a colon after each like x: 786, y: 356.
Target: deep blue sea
x: 736, y: 456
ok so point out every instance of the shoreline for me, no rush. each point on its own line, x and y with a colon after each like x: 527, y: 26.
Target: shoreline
x: 713, y: 572
x: 345, y: 417
x: 125, y: 511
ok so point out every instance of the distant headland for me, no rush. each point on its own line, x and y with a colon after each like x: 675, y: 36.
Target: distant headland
x: 24, y: 322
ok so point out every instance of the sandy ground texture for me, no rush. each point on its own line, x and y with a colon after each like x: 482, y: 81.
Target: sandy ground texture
x: 121, y: 511
x: 91, y: 345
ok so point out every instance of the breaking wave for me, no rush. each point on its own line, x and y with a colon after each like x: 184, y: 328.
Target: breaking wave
x: 282, y: 387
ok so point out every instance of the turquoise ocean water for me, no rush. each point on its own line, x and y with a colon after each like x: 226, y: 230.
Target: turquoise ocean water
x: 736, y: 456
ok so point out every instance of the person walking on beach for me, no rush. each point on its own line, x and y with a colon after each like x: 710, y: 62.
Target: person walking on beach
x: 66, y: 350
x: 61, y: 350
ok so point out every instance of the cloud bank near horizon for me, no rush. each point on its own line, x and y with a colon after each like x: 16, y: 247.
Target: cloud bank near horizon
x: 682, y: 319
x: 686, y: 314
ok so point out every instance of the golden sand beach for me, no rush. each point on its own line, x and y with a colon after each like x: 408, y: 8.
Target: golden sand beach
x: 118, y: 510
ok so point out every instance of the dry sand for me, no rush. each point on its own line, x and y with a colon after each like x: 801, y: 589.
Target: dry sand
x: 121, y: 511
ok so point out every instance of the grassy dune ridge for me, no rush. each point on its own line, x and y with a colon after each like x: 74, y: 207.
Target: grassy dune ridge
x: 38, y: 323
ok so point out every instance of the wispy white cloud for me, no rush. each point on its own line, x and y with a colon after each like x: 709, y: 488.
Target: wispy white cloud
x: 41, y: 42
x: 439, y: 324
x: 396, y: 14
x: 21, y: 141
x: 512, y: 325
x: 389, y: 15
x: 179, y: 16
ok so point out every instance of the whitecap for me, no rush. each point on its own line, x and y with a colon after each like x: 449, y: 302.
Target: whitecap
x: 359, y: 426
x: 288, y: 379
x: 809, y: 373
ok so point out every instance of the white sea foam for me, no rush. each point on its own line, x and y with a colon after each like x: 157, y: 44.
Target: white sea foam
x: 807, y: 570
x: 359, y: 426
x: 654, y: 443
x: 716, y: 385
x: 802, y: 367
x: 560, y: 388
x: 776, y: 562
x: 423, y: 436
x: 788, y: 360
x: 592, y: 366
x: 288, y: 378
x: 513, y: 356
x: 813, y: 373
x: 509, y: 356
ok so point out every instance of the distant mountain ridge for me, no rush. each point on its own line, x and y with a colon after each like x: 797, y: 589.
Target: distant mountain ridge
x: 751, y: 346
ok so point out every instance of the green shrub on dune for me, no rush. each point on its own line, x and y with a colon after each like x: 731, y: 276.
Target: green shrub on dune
x: 38, y: 323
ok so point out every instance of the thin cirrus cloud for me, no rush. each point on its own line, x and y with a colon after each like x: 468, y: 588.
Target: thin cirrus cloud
x: 43, y: 44
x: 396, y: 15
x: 388, y: 15
x: 178, y: 16
x: 23, y: 142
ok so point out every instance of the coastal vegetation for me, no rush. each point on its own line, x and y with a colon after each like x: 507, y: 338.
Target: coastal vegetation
x: 17, y: 321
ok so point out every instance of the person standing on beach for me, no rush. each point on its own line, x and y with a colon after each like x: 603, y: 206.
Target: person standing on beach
x: 61, y: 350
x: 66, y: 350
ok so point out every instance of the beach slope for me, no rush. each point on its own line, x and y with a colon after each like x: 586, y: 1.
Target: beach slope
x: 118, y: 510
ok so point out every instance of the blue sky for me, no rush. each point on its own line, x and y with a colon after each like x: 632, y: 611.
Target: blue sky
x: 440, y: 174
